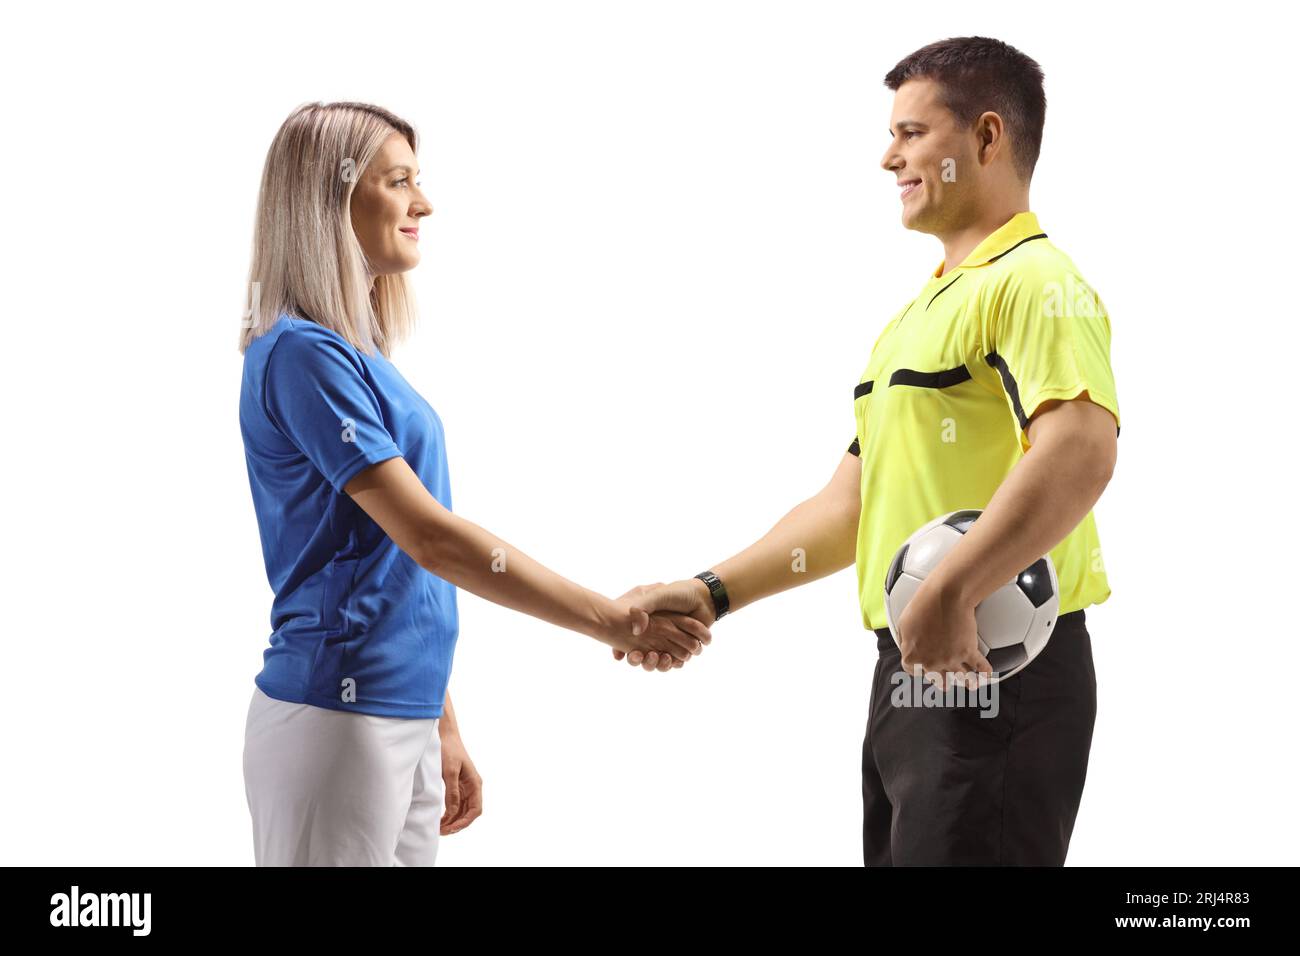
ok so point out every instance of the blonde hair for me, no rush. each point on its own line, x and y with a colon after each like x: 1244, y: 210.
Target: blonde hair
x: 306, y: 258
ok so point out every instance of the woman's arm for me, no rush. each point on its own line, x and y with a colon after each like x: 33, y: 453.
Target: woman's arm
x: 476, y: 560
x: 462, y: 787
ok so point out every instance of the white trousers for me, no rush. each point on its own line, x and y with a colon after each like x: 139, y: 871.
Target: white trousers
x: 332, y: 788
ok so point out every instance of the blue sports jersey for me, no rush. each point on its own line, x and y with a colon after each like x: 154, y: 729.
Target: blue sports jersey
x: 356, y: 624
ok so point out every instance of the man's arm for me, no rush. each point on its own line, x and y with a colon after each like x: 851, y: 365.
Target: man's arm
x: 815, y: 538
x: 1070, y: 461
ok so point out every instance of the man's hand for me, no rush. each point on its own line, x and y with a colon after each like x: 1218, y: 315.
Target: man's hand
x: 938, y: 635
x: 672, y: 639
x: 680, y: 602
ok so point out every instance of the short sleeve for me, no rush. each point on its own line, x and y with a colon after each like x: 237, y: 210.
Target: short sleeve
x: 316, y: 394
x: 1048, y: 337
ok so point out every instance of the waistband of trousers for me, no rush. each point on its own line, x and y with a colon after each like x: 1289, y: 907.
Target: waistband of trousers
x: 1067, y: 621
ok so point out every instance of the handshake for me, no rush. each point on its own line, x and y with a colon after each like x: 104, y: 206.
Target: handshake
x: 670, y: 623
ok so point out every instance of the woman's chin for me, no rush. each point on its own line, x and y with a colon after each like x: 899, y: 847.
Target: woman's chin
x: 406, y: 263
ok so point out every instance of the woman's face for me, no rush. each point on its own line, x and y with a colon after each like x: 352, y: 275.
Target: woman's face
x: 386, y: 208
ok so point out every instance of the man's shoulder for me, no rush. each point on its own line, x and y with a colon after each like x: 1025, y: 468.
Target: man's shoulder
x: 1038, y: 267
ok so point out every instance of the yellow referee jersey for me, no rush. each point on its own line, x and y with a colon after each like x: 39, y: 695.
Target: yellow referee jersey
x: 950, y: 387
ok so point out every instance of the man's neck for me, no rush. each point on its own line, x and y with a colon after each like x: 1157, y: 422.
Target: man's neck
x: 961, y: 243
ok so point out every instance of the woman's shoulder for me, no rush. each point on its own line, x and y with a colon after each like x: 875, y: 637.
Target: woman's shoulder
x: 291, y: 335
x: 292, y: 326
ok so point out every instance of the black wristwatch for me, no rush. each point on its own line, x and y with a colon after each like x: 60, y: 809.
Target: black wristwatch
x: 721, y: 604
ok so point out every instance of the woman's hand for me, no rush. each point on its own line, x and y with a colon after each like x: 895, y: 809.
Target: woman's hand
x: 462, y: 786
x: 672, y: 638
x: 681, y: 603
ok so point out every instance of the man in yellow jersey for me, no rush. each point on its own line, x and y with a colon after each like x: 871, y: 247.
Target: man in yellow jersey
x: 991, y: 390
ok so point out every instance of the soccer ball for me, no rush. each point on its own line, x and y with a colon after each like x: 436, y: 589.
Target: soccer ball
x: 1013, y: 623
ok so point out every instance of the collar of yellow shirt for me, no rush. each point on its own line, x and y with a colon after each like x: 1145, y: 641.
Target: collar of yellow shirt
x: 1021, y: 227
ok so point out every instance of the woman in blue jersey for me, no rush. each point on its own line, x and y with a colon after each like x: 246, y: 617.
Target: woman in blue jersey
x: 352, y: 755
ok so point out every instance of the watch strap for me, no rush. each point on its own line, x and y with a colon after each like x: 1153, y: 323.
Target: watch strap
x: 721, y: 603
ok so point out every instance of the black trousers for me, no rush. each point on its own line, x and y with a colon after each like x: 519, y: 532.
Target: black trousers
x: 943, y: 786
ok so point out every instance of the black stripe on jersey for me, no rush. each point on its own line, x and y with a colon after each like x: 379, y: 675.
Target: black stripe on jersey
x: 944, y: 379
x: 1009, y: 383
x: 862, y: 388
x: 1013, y: 390
x: 945, y: 289
x: 1041, y: 235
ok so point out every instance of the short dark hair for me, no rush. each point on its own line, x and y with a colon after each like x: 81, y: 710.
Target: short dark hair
x: 979, y: 74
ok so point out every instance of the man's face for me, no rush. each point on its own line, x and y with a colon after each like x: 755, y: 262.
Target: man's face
x: 931, y: 157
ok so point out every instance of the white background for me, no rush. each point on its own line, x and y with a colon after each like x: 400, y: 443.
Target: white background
x: 661, y: 251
